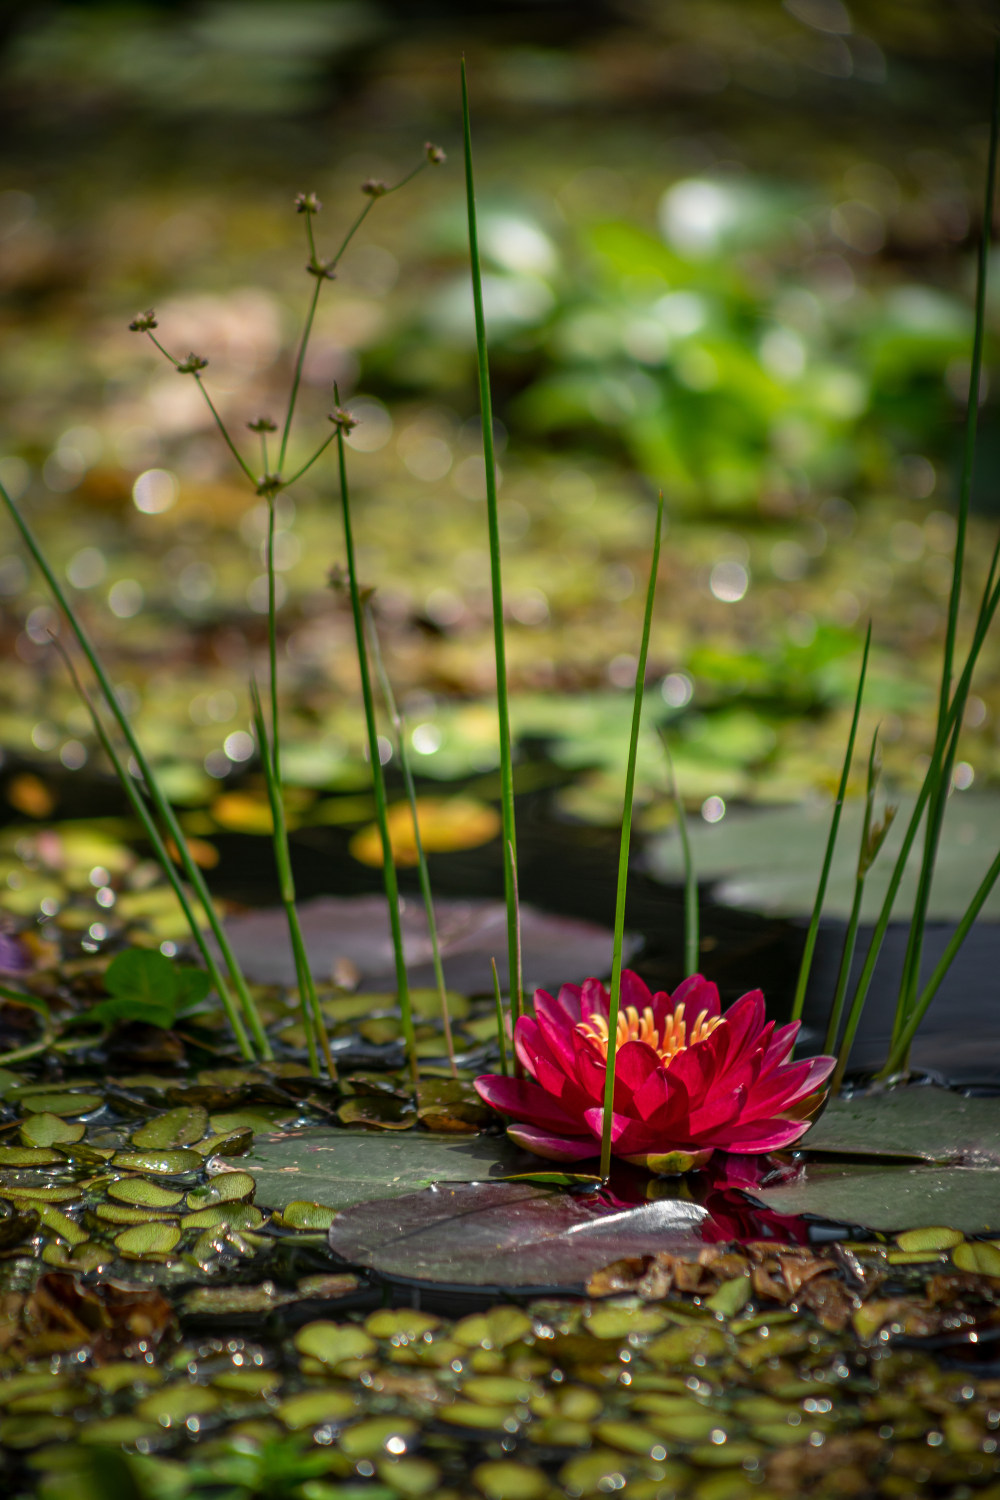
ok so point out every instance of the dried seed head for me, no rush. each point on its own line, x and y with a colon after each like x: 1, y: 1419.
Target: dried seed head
x: 434, y: 154
x: 337, y: 579
x: 374, y: 188
x: 322, y: 268
x: 342, y: 419
x: 268, y: 484
x: 263, y: 424
x: 191, y: 365
x: 307, y: 203
x: 143, y: 322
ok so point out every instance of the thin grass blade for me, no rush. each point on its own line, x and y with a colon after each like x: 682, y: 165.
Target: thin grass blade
x: 399, y: 728
x: 808, y: 951
x: 159, y: 800
x: 633, y: 748
x: 496, y: 583
x: 501, y: 1019
x: 389, y: 877
x: 851, y: 936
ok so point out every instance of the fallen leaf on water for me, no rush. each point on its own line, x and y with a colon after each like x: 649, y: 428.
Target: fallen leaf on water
x: 446, y: 824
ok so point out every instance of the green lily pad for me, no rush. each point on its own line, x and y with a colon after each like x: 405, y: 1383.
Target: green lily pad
x: 302, y: 1215
x: 769, y: 859
x: 51, y: 1130
x: 332, y: 1343
x: 312, y: 1408
x: 28, y: 1156
x: 507, y: 1236
x: 225, y: 1187
x: 339, y: 1168
x: 926, y: 1122
x: 893, y: 1198
x: 178, y: 1127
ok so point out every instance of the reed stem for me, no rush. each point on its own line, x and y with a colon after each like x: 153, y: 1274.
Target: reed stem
x: 619, y: 938
x: 496, y: 582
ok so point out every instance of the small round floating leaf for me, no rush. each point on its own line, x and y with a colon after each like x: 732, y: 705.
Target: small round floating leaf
x: 117, y: 1432
x: 313, y: 1408
x: 235, y: 1301
x: 618, y: 1322
x: 302, y: 1215
x: 726, y: 1455
x: 159, y: 1163
x: 503, y: 1479
x: 403, y: 1324
x: 50, y: 1130
x: 123, y: 1375
x: 226, y: 1143
x: 143, y: 1194
x: 61, y: 1104
x: 332, y: 1343
x: 238, y: 1216
x: 497, y: 1390
x: 678, y: 1346
x: 226, y: 1187
x: 258, y: 1121
x: 31, y: 1383
x: 981, y: 1256
x: 479, y: 1418
x: 28, y: 1156
x: 410, y: 1476
x: 157, y: 1238
x: 61, y: 1224
x: 630, y: 1437
x: 248, y: 1382
x: 730, y: 1297
x: 176, y: 1402
x: 177, y: 1127
x: 129, y: 1213
x: 494, y: 1329
x: 934, y: 1237
x: 377, y: 1435
x: 32, y: 1432
x: 594, y: 1473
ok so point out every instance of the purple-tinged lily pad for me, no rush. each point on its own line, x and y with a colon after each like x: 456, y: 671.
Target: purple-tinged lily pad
x: 893, y: 1198
x: 556, y: 950
x: 508, y: 1237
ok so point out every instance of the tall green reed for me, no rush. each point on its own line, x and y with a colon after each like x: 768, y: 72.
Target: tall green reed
x: 623, y: 853
x: 496, y: 582
x: 159, y: 799
x: 343, y: 422
x: 423, y: 874
x: 939, y: 792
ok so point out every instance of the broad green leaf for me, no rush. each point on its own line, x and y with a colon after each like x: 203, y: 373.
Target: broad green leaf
x: 338, y: 1167
x: 332, y: 1343
x: 893, y: 1198
x: 315, y: 1408
x: 926, y: 1122
x: 61, y: 1104
x: 507, y: 1236
x: 143, y: 975
x: 225, y: 1187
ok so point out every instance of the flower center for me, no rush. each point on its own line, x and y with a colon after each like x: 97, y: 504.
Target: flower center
x: 675, y: 1036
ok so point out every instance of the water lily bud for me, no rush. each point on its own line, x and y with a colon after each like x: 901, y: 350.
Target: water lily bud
x: 434, y: 154
x: 307, y: 203
x: 143, y: 322
x: 191, y: 365
x: 263, y: 424
x: 342, y: 419
x: 374, y: 188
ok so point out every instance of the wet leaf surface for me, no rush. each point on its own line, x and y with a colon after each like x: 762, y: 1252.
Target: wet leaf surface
x: 499, y: 1235
x: 901, y: 1197
x: 932, y: 1123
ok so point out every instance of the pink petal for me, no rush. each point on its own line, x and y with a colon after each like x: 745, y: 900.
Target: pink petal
x: 554, y: 1147
x: 634, y: 991
x: 524, y: 1101
x: 696, y: 993
x: 762, y: 1135
x: 555, y: 1026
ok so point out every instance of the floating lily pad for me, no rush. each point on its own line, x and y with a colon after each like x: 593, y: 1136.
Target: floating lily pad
x: 925, y: 1122
x: 507, y: 1237
x: 893, y: 1198
x: 769, y: 859
x: 143, y: 1194
x: 61, y: 1104
x: 339, y: 1168
x: 156, y: 1238
x: 356, y: 928
x: 28, y: 1156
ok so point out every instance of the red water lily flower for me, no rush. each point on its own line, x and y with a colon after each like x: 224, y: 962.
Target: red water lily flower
x: 688, y: 1080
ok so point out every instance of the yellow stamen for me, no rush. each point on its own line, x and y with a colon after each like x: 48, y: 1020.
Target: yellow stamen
x: 676, y: 1035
